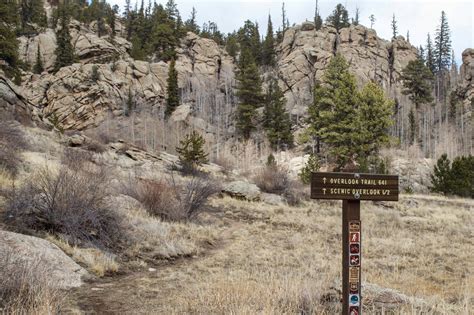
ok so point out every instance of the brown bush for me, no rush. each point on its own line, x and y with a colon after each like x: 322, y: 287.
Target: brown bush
x: 172, y: 201
x: 12, y: 141
x: 272, y: 179
x: 68, y: 202
x: 26, y: 288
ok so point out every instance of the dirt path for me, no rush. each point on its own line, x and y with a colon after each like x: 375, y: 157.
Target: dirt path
x: 140, y: 291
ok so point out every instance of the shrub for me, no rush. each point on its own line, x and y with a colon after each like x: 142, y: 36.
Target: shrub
x: 12, y: 141
x: 191, y: 152
x: 272, y: 179
x: 171, y: 201
x: 312, y: 165
x: 26, y: 288
x: 454, y: 179
x: 69, y: 202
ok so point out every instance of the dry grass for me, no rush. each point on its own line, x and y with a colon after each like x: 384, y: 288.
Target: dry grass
x: 416, y: 259
x: 153, y: 239
x: 98, y: 262
x: 26, y: 287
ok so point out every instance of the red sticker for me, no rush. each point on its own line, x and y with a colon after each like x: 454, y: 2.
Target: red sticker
x: 354, y: 248
x: 354, y: 260
x: 354, y: 237
x: 354, y: 310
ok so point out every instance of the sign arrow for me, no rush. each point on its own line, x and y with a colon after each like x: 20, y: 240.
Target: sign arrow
x: 324, y: 180
x: 324, y: 190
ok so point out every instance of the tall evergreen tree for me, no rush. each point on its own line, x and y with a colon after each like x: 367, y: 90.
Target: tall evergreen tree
x: 284, y: 18
x: 191, y: 23
x: 417, y: 82
x: 277, y: 121
x: 268, y: 47
x: 249, y: 40
x: 339, y: 17
x: 334, y: 109
x: 356, y: 19
x: 374, y: 112
x: 421, y: 54
x: 318, y: 21
x: 430, y: 58
x: 249, y: 93
x: 38, y: 68
x: 32, y: 11
x: 231, y: 45
x: 394, y: 27
x: 9, y: 21
x: 64, y: 49
x: 442, y: 45
x: 172, y: 99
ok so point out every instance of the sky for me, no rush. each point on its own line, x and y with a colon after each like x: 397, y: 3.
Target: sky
x: 419, y: 17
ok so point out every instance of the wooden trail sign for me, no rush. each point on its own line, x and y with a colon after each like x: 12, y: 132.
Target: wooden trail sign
x: 351, y: 188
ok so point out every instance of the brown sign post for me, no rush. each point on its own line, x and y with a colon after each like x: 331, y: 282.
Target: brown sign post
x: 351, y: 188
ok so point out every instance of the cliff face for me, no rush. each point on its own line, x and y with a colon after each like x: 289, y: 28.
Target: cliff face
x: 305, y: 53
x: 75, y: 100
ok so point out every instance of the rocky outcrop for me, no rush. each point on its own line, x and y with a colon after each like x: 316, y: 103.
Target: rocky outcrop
x: 304, y: 54
x: 242, y: 190
x: 88, y: 47
x: 414, y: 174
x: 62, y: 270
x: 78, y: 101
x: 13, y: 103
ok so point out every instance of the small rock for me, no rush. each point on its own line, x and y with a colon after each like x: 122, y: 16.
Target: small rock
x: 151, y: 269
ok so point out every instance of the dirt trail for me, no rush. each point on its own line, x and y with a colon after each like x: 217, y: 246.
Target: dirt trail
x: 138, y: 292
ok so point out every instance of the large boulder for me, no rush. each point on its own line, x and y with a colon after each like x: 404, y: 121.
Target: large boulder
x: 242, y: 190
x: 414, y: 174
x: 64, y: 272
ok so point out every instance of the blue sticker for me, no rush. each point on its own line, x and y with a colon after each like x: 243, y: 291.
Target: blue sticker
x: 354, y: 299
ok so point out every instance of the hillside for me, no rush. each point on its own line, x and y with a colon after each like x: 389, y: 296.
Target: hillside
x: 127, y: 190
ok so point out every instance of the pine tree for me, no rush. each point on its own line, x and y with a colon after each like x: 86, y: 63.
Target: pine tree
x: 430, y: 59
x: 372, y: 21
x: 318, y: 21
x: 417, y: 81
x: 441, y: 177
x: 394, y: 27
x: 249, y: 40
x: 38, y: 67
x: 442, y: 45
x: 353, y: 124
x: 339, y: 17
x: 268, y: 47
x: 356, y: 20
x: 249, y: 93
x: 191, y: 151
x: 163, y: 33
x: 374, y: 112
x: 172, y: 100
x: 64, y: 50
x: 421, y: 54
x: 231, y: 45
x: 32, y: 11
x: 311, y: 166
x: 8, y: 42
x: 277, y: 121
x: 191, y: 23
x: 334, y: 109
x: 408, y: 36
